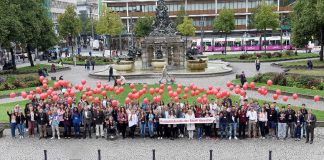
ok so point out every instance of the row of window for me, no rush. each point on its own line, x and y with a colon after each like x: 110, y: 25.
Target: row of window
x: 209, y: 22
x: 60, y: 4
x: 237, y: 4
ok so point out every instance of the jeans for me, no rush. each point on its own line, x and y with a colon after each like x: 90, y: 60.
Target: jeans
x: 223, y: 129
x: 242, y: 129
x: 273, y: 126
x: 233, y: 129
x: 132, y: 130
x: 291, y: 127
x: 151, y: 128
x: 262, y: 128
x: 99, y: 128
x: 67, y: 130
x: 310, y: 132
x: 298, y: 132
x: 87, y: 127
x: 55, y: 128
x: 143, y: 127
x: 199, y: 132
x: 159, y: 129
x: 257, y: 66
x: 21, y: 129
x: 282, y: 130
x: 123, y: 129
x: 13, y: 129
x: 304, y: 128
x: 76, y: 129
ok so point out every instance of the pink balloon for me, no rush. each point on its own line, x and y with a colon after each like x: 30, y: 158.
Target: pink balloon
x: 132, y: 86
x: 12, y: 95
x: 285, y: 98
x: 275, y: 96
x: 83, y: 82
x: 252, y: 85
x: 184, y: 96
x: 316, y: 98
x: 295, y: 96
x: 278, y: 92
x: 127, y: 100
x: 199, y: 99
x: 41, y: 78
x: 228, y: 83
x: 269, y: 83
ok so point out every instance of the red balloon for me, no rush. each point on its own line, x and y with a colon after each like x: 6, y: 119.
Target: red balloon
x: 201, y: 89
x: 89, y: 93
x: 88, y: 88
x: 12, y: 95
x: 260, y: 90
x: 49, y: 91
x: 169, y: 88
x: 121, y: 89
x: 175, y: 94
x: 145, y: 86
x: 141, y: 92
x: 107, y: 88
x: 178, y: 90
x: 205, y: 100
x: 275, y: 96
x: 146, y: 101
x: 98, y: 85
x: 170, y: 93
x: 186, y: 89
x: 151, y: 91
x: 96, y: 100
x: 269, y: 83
x: 242, y: 92
x: 278, y: 92
x: 42, y: 96
x: 285, y: 98
x: 66, y: 94
x: 157, y: 90
x: 237, y: 91
x: 192, y: 93
x: 159, y: 98
x: 252, y: 85
x: 41, y: 78
x: 69, y: 90
x: 55, y: 98
x: 132, y: 86
x: 161, y: 91
x: 228, y: 94
x: 228, y: 83
x: 216, y: 91
x: 184, y: 96
x: 218, y: 88
x: 316, y: 98
x: 231, y: 87
x: 76, y: 86
x: 162, y: 86
x: 127, y: 100
x: 179, y: 85
x: 263, y: 87
x: 218, y: 95
x: 245, y: 86
x: 196, y: 92
x: 118, y: 81
x: 208, y: 92
x: 194, y: 87
x: 69, y: 85
x: 83, y: 82
x: 104, y: 93
x: 44, y: 81
x: 111, y: 88
x: 23, y: 94
x: 72, y: 93
x: 237, y: 86
x: 84, y: 97
x: 210, y: 88
x: 30, y: 97
x: 80, y: 88
x: 90, y: 98
x: 117, y: 92
x: 136, y: 95
x: 294, y: 96
x: 38, y: 90
x: 31, y: 92
x: 199, y: 99
x: 176, y: 99
x: 69, y: 100
x: 155, y: 99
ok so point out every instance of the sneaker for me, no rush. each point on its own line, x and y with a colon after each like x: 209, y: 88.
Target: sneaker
x: 235, y: 138
x: 52, y: 138
x: 230, y: 138
x: 263, y: 138
x: 295, y: 139
x: 58, y: 138
x: 161, y: 137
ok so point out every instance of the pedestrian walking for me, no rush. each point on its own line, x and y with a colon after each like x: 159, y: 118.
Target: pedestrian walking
x: 111, y: 73
x: 242, y: 78
x: 164, y: 75
x: 93, y: 62
x: 257, y: 64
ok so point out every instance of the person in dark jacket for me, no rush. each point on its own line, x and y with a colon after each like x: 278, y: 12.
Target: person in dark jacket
x: 42, y: 119
x: 310, y: 119
x: 87, y: 120
x: 242, y: 122
x: 67, y: 117
x: 290, y: 117
x: 272, y: 121
x: 299, y: 120
x: 228, y: 115
x: 242, y: 78
x: 282, y: 124
x: 20, y: 120
x: 93, y: 62
x: 303, y: 110
x: 222, y: 124
x: 111, y: 73
x: 98, y: 118
x: 76, y: 120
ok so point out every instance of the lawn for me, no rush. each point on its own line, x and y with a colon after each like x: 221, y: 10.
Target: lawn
x: 264, y: 58
x: 17, y: 91
x: 302, y: 64
x: 301, y: 91
x: 29, y: 69
x: 313, y: 72
x: 121, y: 97
x: 81, y: 60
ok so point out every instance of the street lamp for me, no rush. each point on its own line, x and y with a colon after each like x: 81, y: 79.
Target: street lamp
x: 202, y: 24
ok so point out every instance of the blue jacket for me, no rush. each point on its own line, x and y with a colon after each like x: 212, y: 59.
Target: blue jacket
x: 76, y: 118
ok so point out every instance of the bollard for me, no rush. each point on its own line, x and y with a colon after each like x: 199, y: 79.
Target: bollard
x: 153, y: 154
x: 270, y: 156
x: 45, y: 154
x: 211, y: 154
x: 99, y: 155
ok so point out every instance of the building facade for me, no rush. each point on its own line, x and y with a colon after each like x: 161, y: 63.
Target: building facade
x: 88, y: 7
x: 57, y: 7
x: 203, y: 12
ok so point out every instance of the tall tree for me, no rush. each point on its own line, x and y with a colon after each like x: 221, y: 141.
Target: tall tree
x: 69, y: 25
x: 265, y: 18
x: 11, y: 28
x: 109, y: 23
x: 143, y: 26
x: 186, y: 28
x: 308, y: 23
x: 225, y: 22
x: 180, y: 16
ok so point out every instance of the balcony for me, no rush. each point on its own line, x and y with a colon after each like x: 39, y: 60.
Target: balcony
x: 198, y: 12
x: 286, y: 8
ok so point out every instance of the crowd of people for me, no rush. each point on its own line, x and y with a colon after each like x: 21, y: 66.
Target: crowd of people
x: 232, y: 120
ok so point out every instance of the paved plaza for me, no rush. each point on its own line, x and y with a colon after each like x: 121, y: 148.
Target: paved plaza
x: 166, y: 149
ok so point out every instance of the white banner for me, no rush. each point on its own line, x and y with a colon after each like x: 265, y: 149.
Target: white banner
x: 186, y: 121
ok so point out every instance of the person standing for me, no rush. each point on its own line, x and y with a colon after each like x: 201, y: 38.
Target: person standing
x: 87, y: 121
x: 150, y: 123
x: 311, y: 124
x: 122, y: 119
x: 67, y: 123
x: 272, y: 121
x: 142, y: 119
x: 263, y: 120
x: 158, y: 126
x: 93, y: 63
x: 42, y: 119
x: 31, y: 121
x: 222, y: 124
x: 173, y: 127
x: 132, y: 122
x: 304, y: 112
x: 252, y: 114
x: 111, y: 73
x: 257, y: 64
x: 98, y: 118
x: 13, y: 122
x: 54, y: 122
x: 282, y: 124
x: 242, y: 122
x: 290, y: 117
x: 164, y: 75
x: 76, y: 120
x: 190, y: 126
x: 21, y: 123
x: 299, y: 120
x: 242, y: 78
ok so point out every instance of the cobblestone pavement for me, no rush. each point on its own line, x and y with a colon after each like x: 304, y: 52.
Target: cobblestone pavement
x: 77, y: 73
x: 178, y: 149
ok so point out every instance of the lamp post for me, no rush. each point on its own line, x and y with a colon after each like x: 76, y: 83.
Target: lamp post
x: 202, y: 24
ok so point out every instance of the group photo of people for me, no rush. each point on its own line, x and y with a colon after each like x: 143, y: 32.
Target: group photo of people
x: 246, y: 119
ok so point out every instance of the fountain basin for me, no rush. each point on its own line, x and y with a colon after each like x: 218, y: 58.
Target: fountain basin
x: 204, y: 58
x: 158, y: 64
x: 196, y: 65
x: 124, y: 66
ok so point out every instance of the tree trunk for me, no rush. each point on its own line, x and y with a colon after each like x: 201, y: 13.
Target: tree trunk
x: 322, y: 44
x: 29, y: 55
x: 265, y: 41
x: 13, y: 59
x: 225, y: 43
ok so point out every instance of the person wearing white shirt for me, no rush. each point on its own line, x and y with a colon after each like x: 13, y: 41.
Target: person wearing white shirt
x: 252, y: 114
x: 132, y: 122
x: 190, y: 126
x: 213, y: 107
